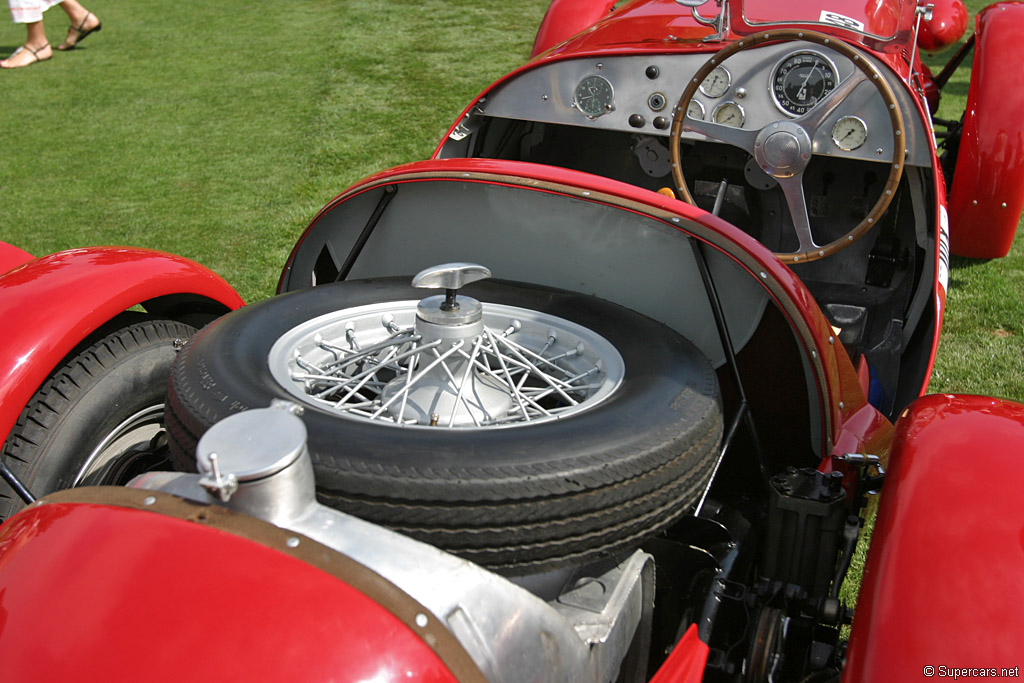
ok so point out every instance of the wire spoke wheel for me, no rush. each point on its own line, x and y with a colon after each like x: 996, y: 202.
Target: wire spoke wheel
x: 372, y: 363
x: 129, y: 449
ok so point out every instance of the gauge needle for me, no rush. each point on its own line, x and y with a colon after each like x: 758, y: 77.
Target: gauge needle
x: 802, y: 93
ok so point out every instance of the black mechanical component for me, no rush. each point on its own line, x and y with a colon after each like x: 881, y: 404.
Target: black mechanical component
x: 806, y: 518
x: 15, y: 483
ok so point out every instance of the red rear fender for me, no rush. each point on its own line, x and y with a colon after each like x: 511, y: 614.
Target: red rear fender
x: 170, y: 591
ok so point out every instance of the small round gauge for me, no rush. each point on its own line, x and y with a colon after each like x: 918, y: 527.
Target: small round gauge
x: 716, y: 82
x: 801, y: 80
x: 695, y: 110
x: 594, y: 96
x: 729, y: 114
x: 849, y: 133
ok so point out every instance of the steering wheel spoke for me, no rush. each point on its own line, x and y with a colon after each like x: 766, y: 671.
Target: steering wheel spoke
x: 812, y: 120
x: 738, y: 137
x: 793, y: 190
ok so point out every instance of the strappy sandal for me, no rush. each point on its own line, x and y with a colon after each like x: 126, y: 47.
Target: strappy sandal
x: 35, y: 54
x: 68, y: 44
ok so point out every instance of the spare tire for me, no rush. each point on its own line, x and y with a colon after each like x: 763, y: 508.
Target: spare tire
x: 557, y: 478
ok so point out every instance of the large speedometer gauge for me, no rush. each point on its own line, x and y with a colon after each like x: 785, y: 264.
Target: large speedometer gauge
x: 594, y: 97
x: 801, y: 80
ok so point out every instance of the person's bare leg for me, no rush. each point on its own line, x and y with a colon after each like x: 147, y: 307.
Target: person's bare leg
x: 37, y: 48
x: 82, y: 22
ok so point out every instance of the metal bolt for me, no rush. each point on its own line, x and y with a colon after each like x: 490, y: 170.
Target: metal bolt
x: 292, y: 542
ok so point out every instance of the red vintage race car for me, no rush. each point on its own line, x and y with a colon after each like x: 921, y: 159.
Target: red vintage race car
x: 597, y: 393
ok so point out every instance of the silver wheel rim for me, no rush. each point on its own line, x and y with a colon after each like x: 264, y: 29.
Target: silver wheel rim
x: 522, y: 367
x: 138, y: 429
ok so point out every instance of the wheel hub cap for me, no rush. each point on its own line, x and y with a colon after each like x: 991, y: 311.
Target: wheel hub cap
x: 446, y: 361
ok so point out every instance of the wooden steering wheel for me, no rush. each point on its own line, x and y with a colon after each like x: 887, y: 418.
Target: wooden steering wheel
x: 784, y: 148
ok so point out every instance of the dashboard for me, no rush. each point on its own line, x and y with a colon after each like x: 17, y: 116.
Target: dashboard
x: 752, y: 89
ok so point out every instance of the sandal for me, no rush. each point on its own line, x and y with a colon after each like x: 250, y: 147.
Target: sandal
x: 79, y: 33
x: 35, y: 54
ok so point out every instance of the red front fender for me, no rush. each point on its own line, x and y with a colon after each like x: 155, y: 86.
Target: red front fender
x: 987, y: 192
x: 566, y: 18
x: 51, y: 304
x: 942, y: 586
x: 11, y: 256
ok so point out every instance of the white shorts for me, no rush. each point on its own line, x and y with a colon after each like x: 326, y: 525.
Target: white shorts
x: 30, y: 11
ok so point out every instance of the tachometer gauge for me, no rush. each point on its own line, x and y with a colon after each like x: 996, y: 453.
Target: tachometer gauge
x: 594, y: 97
x: 716, y: 82
x: 729, y: 114
x: 695, y: 110
x: 801, y: 80
x: 849, y: 133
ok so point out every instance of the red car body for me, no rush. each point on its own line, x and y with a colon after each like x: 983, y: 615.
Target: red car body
x: 532, y: 184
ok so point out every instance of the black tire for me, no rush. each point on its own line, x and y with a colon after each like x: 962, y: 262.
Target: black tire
x: 87, y: 400
x: 528, y: 498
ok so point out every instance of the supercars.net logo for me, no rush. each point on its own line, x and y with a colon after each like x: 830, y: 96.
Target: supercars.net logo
x: 971, y: 672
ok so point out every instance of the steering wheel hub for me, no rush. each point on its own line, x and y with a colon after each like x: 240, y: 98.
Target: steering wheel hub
x: 782, y: 149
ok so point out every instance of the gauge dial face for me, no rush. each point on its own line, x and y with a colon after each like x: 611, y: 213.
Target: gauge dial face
x: 594, y: 96
x: 729, y: 114
x: 716, y: 82
x: 801, y: 80
x: 695, y: 110
x: 849, y: 133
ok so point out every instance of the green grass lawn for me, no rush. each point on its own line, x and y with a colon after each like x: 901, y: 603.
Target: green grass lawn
x: 216, y: 131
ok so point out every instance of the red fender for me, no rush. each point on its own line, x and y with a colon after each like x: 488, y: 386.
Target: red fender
x: 948, y: 23
x: 566, y: 18
x: 11, y: 257
x: 95, y: 593
x: 987, y: 192
x: 942, y: 585
x: 49, y: 305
